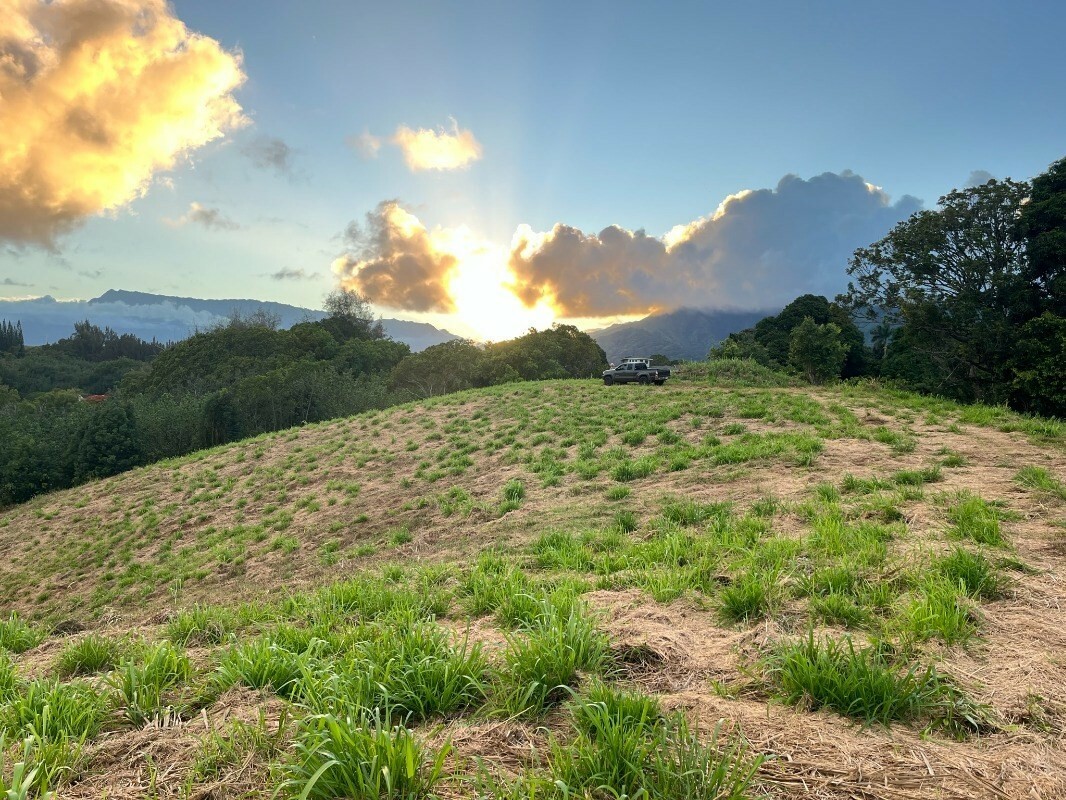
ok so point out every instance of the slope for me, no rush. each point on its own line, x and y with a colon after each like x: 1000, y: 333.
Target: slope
x: 678, y: 543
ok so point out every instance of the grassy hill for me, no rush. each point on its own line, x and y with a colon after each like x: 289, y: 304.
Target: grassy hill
x: 707, y: 589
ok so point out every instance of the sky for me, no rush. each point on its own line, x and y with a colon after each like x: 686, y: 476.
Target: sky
x: 492, y: 166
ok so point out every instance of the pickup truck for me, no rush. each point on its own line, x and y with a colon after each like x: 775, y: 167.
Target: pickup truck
x: 664, y: 372
x: 633, y: 372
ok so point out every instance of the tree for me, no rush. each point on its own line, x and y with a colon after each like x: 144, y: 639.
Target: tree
x: 349, y: 316
x: 1043, y: 226
x: 106, y: 444
x: 956, y: 278
x: 1039, y: 366
x: 742, y: 345
x: 775, y: 332
x: 817, y: 351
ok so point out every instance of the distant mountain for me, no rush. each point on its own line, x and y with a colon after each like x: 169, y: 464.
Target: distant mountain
x: 167, y: 318
x: 687, y: 333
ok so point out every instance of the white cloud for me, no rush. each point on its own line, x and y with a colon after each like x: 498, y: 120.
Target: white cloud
x: 427, y: 149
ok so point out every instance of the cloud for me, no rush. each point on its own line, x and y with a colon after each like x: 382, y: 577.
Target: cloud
x: 268, y: 152
x: 211, y: 218
x: 979, y: 177
x: 437, y: 149
x: 12, y: 282
x: 291, y: 274
x: 760, y: 249
x: 365, y: 144
x: 396, y: 262
x: 96, y: 97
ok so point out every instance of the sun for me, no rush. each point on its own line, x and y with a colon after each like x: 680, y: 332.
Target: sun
x: 479, y: 289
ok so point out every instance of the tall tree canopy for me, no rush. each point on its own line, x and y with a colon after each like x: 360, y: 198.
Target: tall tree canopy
x: 957, y: 279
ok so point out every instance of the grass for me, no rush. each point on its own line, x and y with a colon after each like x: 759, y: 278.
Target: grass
x: 542, y: 663
x: 714, y: 501
x: 93, y: 654
x: 361, y: 758
x: 976, y: 519
x: 863, y: 684
x: 1040, y: 480
x: 143, y: 683
x: 17, y: 636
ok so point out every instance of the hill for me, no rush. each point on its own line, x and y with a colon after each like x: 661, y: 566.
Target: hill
x: 169, y: 318
x: 683, y: 334
x: 664, y: 552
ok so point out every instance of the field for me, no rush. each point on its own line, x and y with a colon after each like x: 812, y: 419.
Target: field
x: 725, y: 587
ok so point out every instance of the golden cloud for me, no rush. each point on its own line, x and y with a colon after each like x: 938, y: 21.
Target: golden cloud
x: 96, y: 96
x: 396, y: 262
x: 440, y: 150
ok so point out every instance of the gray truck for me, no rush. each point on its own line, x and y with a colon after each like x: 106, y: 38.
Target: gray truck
x: 634, y: 372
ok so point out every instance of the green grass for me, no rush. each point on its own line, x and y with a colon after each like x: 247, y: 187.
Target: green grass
x: 143, y: 683
x: 750, y: 596
x: 93, y: 654
x: 972, y: 572
x: 976, y: 519
x: 54, y: 710
x: 863, y: 684
x: 18, y: 636
x: 541, y: 664
x: 361, y: 758
x: 1040, y: 480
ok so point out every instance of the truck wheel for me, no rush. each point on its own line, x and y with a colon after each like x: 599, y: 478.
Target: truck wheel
x: 643, y: 379
x: 608, y: 380
x: 659, y: 383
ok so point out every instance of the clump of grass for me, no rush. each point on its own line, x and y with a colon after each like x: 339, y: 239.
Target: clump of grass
x: 17, y: 636
x: 632, y: 469
x: 202, y: 625
x: 361, y: 758
x: 513, y: 493
x: 837, y: 608
x: 618, y: 755
x: 862, y: 683
x: 972, y: 572
x: 939, y: 611
x: 239, y: 743
x: 854, y: 485
x: 53, y: 710
x: 142, y: 683
x: 618, y: 493
x: 750, y: 596
x: 1041, y: 480
x: 917, y: 477
x: 94, y: 653
x: 259, y: 664
x: 24, y: 779
x: 689, y: 512
x: 626, y: 521
x: 974, y: 518
x: 541, y: 664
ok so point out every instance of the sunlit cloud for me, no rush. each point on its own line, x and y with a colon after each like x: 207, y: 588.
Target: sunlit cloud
x: 440, y: 149
x: 398, y: 263
x: 759, y: 249
x: 96, y: 97
x: 211, y: 218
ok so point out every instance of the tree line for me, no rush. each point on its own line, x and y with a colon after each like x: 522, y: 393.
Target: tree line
x: 235, y: 380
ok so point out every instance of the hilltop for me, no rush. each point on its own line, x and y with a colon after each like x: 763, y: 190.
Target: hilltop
x: 686, y: 333
x: 710, y: 547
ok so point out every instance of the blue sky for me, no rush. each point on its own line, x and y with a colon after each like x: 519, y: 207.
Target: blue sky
x: 644, y: 116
